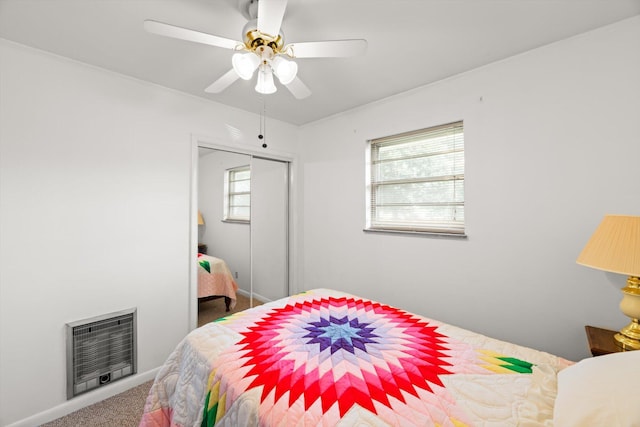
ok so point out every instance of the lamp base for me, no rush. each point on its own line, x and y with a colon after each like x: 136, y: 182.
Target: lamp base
x: 629, y: 337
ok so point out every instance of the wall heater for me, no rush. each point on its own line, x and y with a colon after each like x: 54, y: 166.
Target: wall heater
x: 100, y: 350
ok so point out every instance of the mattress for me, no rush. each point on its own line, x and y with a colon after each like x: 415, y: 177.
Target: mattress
x: 328, y: 358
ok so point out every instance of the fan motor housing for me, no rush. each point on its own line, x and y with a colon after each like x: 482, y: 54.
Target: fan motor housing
x: 253, y: 38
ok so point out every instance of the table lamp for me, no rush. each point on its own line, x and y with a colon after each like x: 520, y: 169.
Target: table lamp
x: 615, y: 247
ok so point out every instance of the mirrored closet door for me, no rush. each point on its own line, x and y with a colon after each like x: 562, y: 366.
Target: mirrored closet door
x: 269, y: 236
x: 243, y: 204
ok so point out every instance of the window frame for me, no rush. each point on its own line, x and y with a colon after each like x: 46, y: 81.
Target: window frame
x: 229, y: 195
x: 453, y: 226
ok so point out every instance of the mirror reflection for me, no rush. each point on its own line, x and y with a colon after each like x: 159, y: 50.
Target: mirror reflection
x: 242, y: 232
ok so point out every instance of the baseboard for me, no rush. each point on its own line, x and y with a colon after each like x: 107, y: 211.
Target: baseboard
x: 255, y: 295
x: 86, y: 399
x: 243, y: 292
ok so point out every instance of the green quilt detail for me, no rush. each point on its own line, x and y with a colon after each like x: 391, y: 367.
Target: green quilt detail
x: 205, y: 264
x: 209, y: 416
x: 516, y: 365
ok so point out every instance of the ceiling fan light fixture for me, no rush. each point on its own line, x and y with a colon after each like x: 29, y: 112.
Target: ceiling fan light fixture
x: 262, y: 45
x: 284, y: 69
x: 245, y: 64
x: 265, y: 83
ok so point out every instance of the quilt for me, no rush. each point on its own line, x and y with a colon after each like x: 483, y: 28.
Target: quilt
x: 327, y: 358
x: 215, y: 279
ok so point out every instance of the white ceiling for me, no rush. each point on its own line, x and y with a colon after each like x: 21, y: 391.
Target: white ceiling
x: 410, y: 42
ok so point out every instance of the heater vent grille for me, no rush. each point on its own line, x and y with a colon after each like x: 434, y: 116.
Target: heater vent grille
x: 100, y: 350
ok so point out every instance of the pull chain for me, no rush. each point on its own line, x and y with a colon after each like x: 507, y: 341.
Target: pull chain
x: 263, y: 124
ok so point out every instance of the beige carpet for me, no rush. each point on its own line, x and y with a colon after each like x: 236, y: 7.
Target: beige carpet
x: 121, y: 410
x: 208, y: 311
x: 125, y: 409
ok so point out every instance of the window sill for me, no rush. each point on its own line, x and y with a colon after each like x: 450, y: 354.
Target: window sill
x: 236, y: 221
x: 416, y: 233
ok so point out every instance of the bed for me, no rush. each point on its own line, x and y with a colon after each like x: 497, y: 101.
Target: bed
x: 215, y: 280
x: 327, y: 358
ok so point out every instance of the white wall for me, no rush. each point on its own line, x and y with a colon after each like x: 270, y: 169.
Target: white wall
x: 95, y: 173
x: 552, y: 144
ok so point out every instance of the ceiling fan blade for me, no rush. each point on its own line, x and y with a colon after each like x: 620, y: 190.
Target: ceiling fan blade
x: 168, y: 30
x: 328, y: 49
x: 223, y: 82
x: 270, y: 14
x: 299, y: 89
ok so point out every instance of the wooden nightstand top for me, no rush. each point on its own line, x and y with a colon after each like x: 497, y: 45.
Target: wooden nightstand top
x: 601, y: 341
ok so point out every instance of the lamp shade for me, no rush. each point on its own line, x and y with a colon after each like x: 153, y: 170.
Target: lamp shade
x: 615, y: 246
x: 245, y: 64
x: 265, y: 84
x: 284, y: 69
x: 200, y: 218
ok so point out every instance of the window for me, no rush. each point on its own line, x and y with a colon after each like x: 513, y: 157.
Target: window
x: 415, y: 181
x: 237, y: 194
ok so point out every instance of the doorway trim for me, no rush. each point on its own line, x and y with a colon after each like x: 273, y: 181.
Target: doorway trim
x: 217, y: 144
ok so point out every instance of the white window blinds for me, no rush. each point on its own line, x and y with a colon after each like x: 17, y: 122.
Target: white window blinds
x: 237, y: 206
x: 416, y: 181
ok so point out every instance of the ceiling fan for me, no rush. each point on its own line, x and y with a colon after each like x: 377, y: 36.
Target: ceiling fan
x: 263, y: 48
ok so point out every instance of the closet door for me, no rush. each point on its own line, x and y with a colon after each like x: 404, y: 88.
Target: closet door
x: 223, y: 239
x: 269, y: 225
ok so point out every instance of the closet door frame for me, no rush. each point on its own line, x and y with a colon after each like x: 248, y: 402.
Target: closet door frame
x: 213, y: 143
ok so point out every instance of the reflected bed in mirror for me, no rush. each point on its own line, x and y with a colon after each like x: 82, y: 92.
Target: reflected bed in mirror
x: 215, y: 280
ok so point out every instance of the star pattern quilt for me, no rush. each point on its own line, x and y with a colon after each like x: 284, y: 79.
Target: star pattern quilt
x: 327, y: 358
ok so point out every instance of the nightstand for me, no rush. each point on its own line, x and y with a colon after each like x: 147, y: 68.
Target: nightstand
x: 601, y: 341
x: 202, y: 248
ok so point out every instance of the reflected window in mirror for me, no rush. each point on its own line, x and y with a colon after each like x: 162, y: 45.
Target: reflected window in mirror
x: 237, y: 194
